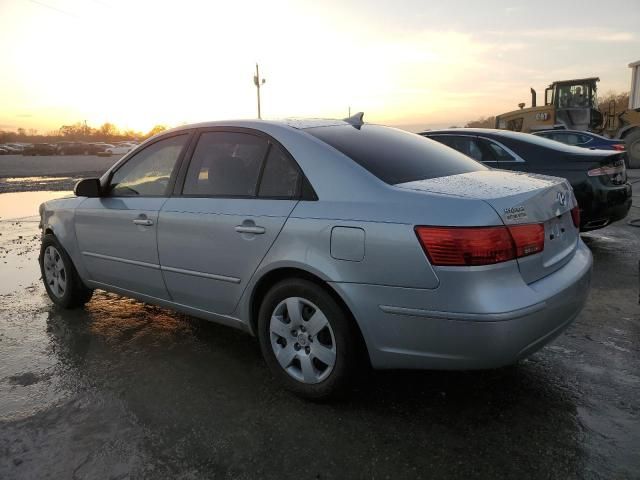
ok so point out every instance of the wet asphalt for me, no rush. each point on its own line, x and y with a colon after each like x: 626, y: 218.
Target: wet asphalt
x: 121, y: 389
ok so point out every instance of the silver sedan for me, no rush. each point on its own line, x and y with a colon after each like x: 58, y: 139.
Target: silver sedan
x: 340, y: 245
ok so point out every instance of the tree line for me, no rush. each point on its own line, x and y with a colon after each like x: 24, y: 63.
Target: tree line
x: 80, y: 132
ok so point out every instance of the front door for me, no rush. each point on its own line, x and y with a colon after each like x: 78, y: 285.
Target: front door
x: 238, y: 192
x: 117, y: 233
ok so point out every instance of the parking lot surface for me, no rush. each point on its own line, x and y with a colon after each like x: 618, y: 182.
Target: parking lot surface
x: 54, y: 172
x: 122, y: 389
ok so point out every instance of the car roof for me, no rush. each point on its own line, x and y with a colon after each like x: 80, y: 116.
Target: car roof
x: 297, y: 123
x: 518, y: 136
x: 561, y: 130
x: 478, y: 131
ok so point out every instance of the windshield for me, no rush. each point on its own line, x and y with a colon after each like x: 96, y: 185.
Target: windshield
x: 395, y: 156
x: 579, y: 95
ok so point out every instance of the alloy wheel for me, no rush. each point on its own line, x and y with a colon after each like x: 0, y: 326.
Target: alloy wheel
x: 55, y: 273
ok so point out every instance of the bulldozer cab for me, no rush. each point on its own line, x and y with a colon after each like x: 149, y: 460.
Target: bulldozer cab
x: 575, y: 103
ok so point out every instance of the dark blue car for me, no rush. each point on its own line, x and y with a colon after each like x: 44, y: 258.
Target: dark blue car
x: 579, y: 138
x: 598, y: 178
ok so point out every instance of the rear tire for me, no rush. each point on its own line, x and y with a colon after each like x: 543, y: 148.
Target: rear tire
x: 307, y: 340
x: 60, y: 278
x: 632, y: 142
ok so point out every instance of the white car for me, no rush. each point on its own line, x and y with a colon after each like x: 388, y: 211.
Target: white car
x: 120, y: 149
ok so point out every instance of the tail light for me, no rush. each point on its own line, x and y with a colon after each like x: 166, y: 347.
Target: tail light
x: 468, y: 246
x: 528, y: 239
x: 575, y: 215
x: 619, y: 146
x: 616, y: 172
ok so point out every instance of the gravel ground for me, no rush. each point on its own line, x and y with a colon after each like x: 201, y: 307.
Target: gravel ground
x: 121, y: 389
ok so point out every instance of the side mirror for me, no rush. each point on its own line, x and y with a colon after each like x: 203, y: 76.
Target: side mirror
x: 89, y: 187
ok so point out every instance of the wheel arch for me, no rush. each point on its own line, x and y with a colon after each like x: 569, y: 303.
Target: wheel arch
x: 60, y: 224
x: 627, y: 130
x: 270, y: 278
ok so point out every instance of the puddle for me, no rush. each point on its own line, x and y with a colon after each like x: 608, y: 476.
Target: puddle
x: 19, y: 247
x: 25, y: 204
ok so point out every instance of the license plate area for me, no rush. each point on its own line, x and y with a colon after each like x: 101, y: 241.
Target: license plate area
x: 560, y: 238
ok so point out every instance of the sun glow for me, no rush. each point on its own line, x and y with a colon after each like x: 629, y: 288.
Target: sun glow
x: 141, y: 63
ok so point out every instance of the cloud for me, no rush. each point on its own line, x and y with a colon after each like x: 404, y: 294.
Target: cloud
x: 570, y: 34
x: 617, y: 37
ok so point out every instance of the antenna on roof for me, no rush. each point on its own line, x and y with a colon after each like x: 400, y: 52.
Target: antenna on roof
x: 356, y: 119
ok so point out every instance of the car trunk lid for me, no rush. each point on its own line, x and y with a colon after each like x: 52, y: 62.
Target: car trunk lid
x: 520, y: 198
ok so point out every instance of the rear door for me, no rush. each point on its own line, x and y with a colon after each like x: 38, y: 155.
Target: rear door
x: 238, y: 190
x: 117, y: 232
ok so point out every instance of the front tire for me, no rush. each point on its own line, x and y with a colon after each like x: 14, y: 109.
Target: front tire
x: 60, y: 277
x: 307, y: 339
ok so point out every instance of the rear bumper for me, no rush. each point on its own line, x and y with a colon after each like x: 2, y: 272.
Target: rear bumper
x: 401, y: 334
x: 602, y: 205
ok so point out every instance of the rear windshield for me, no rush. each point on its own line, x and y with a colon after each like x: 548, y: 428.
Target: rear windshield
x: 395, y: 156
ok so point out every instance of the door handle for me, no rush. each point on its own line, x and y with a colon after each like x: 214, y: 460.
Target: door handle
x: 143, y: 221
x: 250, y: 229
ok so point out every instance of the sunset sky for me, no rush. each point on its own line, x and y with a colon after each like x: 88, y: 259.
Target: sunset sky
x: 413, y: 64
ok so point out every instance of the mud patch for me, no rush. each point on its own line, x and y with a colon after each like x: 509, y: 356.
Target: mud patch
x: 26, y: 379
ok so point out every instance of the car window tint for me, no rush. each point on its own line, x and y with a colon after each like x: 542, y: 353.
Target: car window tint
x: 500, y: 153
x: 395, y: 156
x: 147, y: 173
x: 225, y: 164
x: 281, y: 175
x: 571, y: 138
x: 467, y: 145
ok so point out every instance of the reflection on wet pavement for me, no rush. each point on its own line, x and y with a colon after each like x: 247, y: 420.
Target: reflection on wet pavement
x: 25, y: 204
x: 123, y: 389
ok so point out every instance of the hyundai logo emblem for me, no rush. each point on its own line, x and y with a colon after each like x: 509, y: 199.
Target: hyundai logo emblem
x: 562, y: 198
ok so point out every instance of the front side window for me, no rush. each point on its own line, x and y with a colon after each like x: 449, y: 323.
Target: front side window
x: 147, y: 173
x: 225, y: 164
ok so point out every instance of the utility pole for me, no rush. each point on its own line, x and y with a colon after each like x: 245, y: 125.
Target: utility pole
x: 258, y: 82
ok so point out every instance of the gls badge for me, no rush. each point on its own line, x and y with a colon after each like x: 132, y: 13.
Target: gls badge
x: 562, y: 199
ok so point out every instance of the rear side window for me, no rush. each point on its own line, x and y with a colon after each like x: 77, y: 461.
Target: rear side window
x: 467, y: 145
x: 225, y: 164
x: 281, y: 177
x: 570, y: 138
x: 395, y: 156
x: 498, y: 152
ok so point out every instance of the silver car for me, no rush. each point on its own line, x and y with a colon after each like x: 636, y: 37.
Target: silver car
x: 340, y: 245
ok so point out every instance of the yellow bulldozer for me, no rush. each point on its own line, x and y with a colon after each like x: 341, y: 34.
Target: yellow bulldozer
x: 573, y: 105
